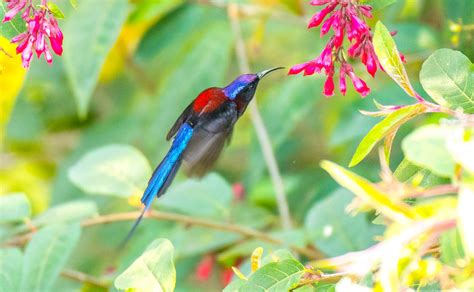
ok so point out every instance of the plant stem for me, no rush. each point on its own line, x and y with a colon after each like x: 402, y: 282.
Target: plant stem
x: 84, y: 278
x: 227, y: 227
x: 260, y: 129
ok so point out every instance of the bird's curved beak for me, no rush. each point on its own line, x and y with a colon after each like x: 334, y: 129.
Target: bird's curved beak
x: 260, y: 75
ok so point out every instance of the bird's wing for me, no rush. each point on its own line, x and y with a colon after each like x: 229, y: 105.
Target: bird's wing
x: 180, y: 121
x: 203, y: 150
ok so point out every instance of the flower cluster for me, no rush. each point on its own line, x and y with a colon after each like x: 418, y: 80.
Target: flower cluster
x: 40, y: 24
x: 346, y: 18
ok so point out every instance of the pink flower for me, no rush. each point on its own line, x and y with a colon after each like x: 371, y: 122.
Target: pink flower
x: 319, y: 17
x: 14, y: 7
x: 359, y: 84
x: 347, y: 20
x: 342, y: 82
x: 40, y: 26
x: 329, y: 86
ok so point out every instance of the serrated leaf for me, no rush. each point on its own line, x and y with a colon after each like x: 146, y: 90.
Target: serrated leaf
x: 389, y: 58
x: 208, y: 197
x: 426, y: 147
x: 277, y: 276
x: 389, y: 206
x: 153, y: 271
x: 391, y: 122
x: 11, y: 263
x: 448, y: 78
x: 46, y: 254
x: 55, y: 10
x: 14, y: 207
x: 93, y: 29
x: 334, y: 231
x: 117, y: 170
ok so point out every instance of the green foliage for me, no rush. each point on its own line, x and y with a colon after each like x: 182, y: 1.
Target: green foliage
x: 15, y: 207
x: 152, y: 271
x: 117, y: 170
x: 447, y: 76
x: 133, y: 66
x: 426, y: 147
x: 55, y: 10
x: 334, y: 232
x: 11, y: 262
x: 95, y: 29
x: 46, y: 254
x: 209, y: 197
x: 385, y: 129
x: 389, y: 58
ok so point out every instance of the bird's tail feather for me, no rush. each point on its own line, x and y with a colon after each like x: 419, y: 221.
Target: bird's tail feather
x: 163, y: 174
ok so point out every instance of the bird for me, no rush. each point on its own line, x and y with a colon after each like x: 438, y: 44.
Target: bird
x: 200, y: 133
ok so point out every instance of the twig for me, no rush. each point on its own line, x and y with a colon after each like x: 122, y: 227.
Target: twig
x: 84, y: 278
x: 262, y: 133
x: 316, y: 277
x: 131, y: 216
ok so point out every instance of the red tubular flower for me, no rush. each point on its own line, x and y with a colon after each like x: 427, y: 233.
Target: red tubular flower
x: 14, y: 7
x: 204, y: 268
x: 359, y: 84
x: 319, y: 17
x: 346, y: 18
x: 40, y: 24
x: 342, y: 82
x: 329, y: 86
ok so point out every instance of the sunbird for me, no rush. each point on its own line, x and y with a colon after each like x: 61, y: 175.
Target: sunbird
x: 200, y: 133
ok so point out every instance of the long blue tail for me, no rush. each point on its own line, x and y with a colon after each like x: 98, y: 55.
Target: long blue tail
x: 164, y: 173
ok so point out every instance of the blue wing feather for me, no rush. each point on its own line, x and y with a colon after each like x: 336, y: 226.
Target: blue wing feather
x: 165, y: 172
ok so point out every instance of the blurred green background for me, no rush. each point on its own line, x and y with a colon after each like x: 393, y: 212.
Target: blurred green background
x: 128, y: 70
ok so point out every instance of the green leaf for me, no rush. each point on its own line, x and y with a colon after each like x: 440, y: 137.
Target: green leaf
x: 334, y: 231
x: 13, y: 27
x: 451, y: 247
x: 378, y: 4
x: 389, y: 58
x: 448, y: 78
x: 11, y: 263
x: 69, y: 212
x: 148, y: 10
x: 118, y: 170
x: 73, y: 3
x: 276, y: 276
x: 460, y: 145
x: 384, y: 128
x: 55, y: 10
x: 466, y: 217
x: 153, y: 271
x: 208, y: 197
x: 46, y: 255
x: 426, y: 147
x: 93, y: 29
x: 14, y: 207
x: 387, y: 205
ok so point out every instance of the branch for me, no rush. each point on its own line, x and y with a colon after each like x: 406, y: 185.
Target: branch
x: 84, y: 278
x: 262, y: 133
x: 313, y: 277
x: 227, y: 227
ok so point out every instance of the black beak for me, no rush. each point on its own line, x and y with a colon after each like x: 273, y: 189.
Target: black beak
x: 260, y: 75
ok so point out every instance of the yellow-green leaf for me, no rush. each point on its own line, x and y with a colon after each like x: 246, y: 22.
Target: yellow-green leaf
x: 389, y: 58
x: 389, y: 206
x: 55, y: 10
x: 384, y: 128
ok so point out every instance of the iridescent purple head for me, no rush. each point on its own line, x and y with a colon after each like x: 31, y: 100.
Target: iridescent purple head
x: 245, y: 85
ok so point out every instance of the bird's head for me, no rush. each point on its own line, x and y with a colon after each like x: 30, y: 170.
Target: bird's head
x: 244, y: 86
